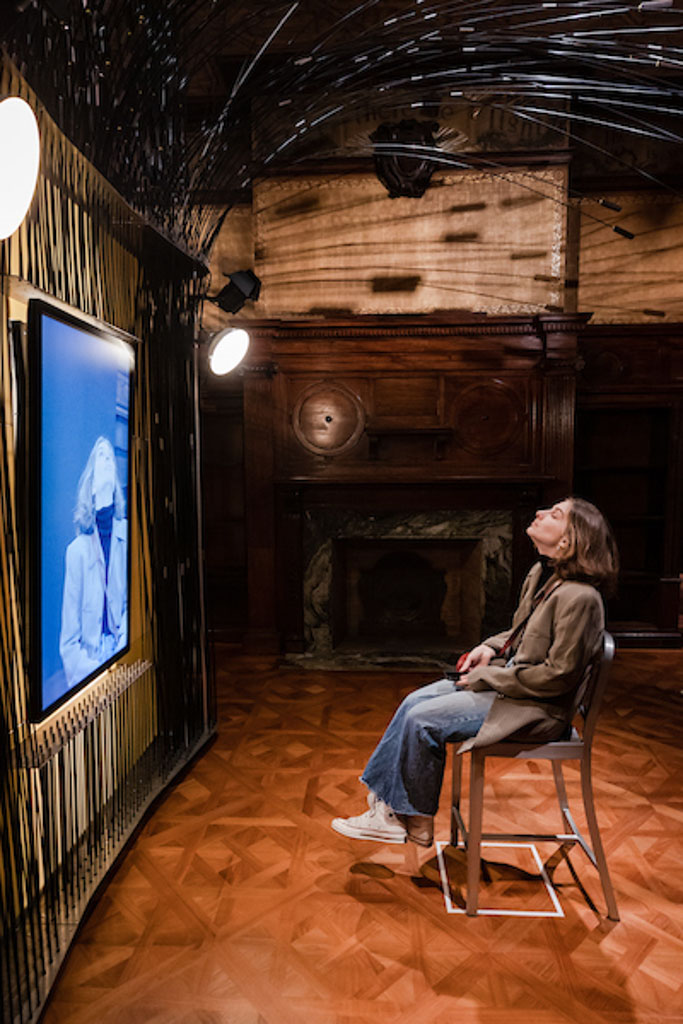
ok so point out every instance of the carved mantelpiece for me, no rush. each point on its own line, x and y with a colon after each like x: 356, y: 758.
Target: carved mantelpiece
x: 388, y: 414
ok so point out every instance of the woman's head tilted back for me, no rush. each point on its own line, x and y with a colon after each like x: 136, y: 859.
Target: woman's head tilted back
x: 588, y: 550
x: 99, y: 477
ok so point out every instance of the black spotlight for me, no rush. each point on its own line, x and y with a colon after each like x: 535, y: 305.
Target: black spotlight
x: 244, y: 284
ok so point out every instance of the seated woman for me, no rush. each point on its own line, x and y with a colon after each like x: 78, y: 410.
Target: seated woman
x: 518, y: 683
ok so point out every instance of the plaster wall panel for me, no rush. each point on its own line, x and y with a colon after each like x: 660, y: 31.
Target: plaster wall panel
x: 474, y: 241
x: 633, y: 280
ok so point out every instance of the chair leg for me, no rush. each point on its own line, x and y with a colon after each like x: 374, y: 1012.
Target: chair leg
x: 596, y: 841
x: 477, y: 764
x: 562, y: 798
x: 455, y: 795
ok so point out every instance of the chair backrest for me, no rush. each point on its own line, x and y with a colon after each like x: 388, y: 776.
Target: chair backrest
x: 592, y: 689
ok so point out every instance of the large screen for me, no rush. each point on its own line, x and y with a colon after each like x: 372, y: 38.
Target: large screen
x: 81, y: 386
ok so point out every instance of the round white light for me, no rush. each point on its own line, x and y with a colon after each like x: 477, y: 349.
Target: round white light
x: 20, y: 146
x: 227, y: 349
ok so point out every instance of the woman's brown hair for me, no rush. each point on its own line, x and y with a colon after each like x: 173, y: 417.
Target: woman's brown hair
x: 590, y: 554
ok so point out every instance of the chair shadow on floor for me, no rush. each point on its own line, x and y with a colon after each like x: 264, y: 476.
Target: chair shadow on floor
x: 588, y: 977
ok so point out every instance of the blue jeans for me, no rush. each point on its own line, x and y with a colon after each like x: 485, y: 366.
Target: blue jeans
x: 406, y: 768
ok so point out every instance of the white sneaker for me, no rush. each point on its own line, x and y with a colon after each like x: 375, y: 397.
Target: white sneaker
x: 379, y: 823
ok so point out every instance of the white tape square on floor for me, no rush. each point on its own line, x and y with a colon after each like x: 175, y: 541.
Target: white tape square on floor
x: 491, y: 912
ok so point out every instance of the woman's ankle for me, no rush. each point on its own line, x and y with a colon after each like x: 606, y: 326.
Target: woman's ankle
x: 419, y: 827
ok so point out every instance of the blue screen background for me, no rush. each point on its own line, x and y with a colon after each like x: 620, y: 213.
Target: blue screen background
x: 85, y: 391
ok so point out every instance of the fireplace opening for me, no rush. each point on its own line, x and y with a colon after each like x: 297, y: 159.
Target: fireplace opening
x: 401, y: 593
x: 407, y: 594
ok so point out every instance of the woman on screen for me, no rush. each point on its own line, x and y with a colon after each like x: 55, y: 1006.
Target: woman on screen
x: 94, y: 606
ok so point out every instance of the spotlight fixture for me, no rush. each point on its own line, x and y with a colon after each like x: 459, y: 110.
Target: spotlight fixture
x: 20, y: 144
x: 244, y: 284
x: 227, y: 349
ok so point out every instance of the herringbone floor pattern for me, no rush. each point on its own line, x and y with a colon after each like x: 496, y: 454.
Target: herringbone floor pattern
x: 238, y: 905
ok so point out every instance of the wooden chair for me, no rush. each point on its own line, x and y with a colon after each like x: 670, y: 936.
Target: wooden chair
x: 577, y: 747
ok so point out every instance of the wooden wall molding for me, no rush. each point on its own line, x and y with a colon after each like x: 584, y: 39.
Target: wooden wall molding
x: 626, y: 359
x: 536, y: 325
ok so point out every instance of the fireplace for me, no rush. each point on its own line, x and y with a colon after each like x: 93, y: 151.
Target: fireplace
x: 419, y: 586
x: 400, y: 593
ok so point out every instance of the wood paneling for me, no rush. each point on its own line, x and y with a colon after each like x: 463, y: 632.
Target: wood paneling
x: 402, y: 400
x: 629, y: 461
x: 380, y: 403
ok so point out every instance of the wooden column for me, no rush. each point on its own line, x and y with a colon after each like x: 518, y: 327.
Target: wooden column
x: 289, y: 581
x: 259, y: 499
x: 561, y: 364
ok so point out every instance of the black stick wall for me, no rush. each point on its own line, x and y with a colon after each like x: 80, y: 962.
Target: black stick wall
x: 73, y: 787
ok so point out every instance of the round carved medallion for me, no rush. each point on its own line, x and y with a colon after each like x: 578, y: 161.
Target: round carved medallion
x: 487, y: 418
x: 604, y: 366
x: 328, y: 419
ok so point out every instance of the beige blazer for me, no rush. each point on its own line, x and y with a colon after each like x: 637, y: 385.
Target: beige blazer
x: 536, y: 693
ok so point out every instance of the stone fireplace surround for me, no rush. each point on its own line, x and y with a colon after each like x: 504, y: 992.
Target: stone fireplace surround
x: 325, y: 528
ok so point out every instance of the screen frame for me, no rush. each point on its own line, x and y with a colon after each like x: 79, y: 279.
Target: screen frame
x: 106, y: 334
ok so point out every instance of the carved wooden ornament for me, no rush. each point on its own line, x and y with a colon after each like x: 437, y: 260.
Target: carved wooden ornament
x: 328, y: 419
x: 487, y: 418
x: 402, y: 159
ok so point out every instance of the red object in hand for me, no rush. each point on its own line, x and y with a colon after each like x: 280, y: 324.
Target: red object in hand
x: 461, y: 661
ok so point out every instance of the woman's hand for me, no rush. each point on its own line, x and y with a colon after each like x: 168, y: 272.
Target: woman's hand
x: 477, y: 658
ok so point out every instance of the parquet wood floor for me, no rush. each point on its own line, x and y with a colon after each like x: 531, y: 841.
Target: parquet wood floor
x: 238, y: 905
